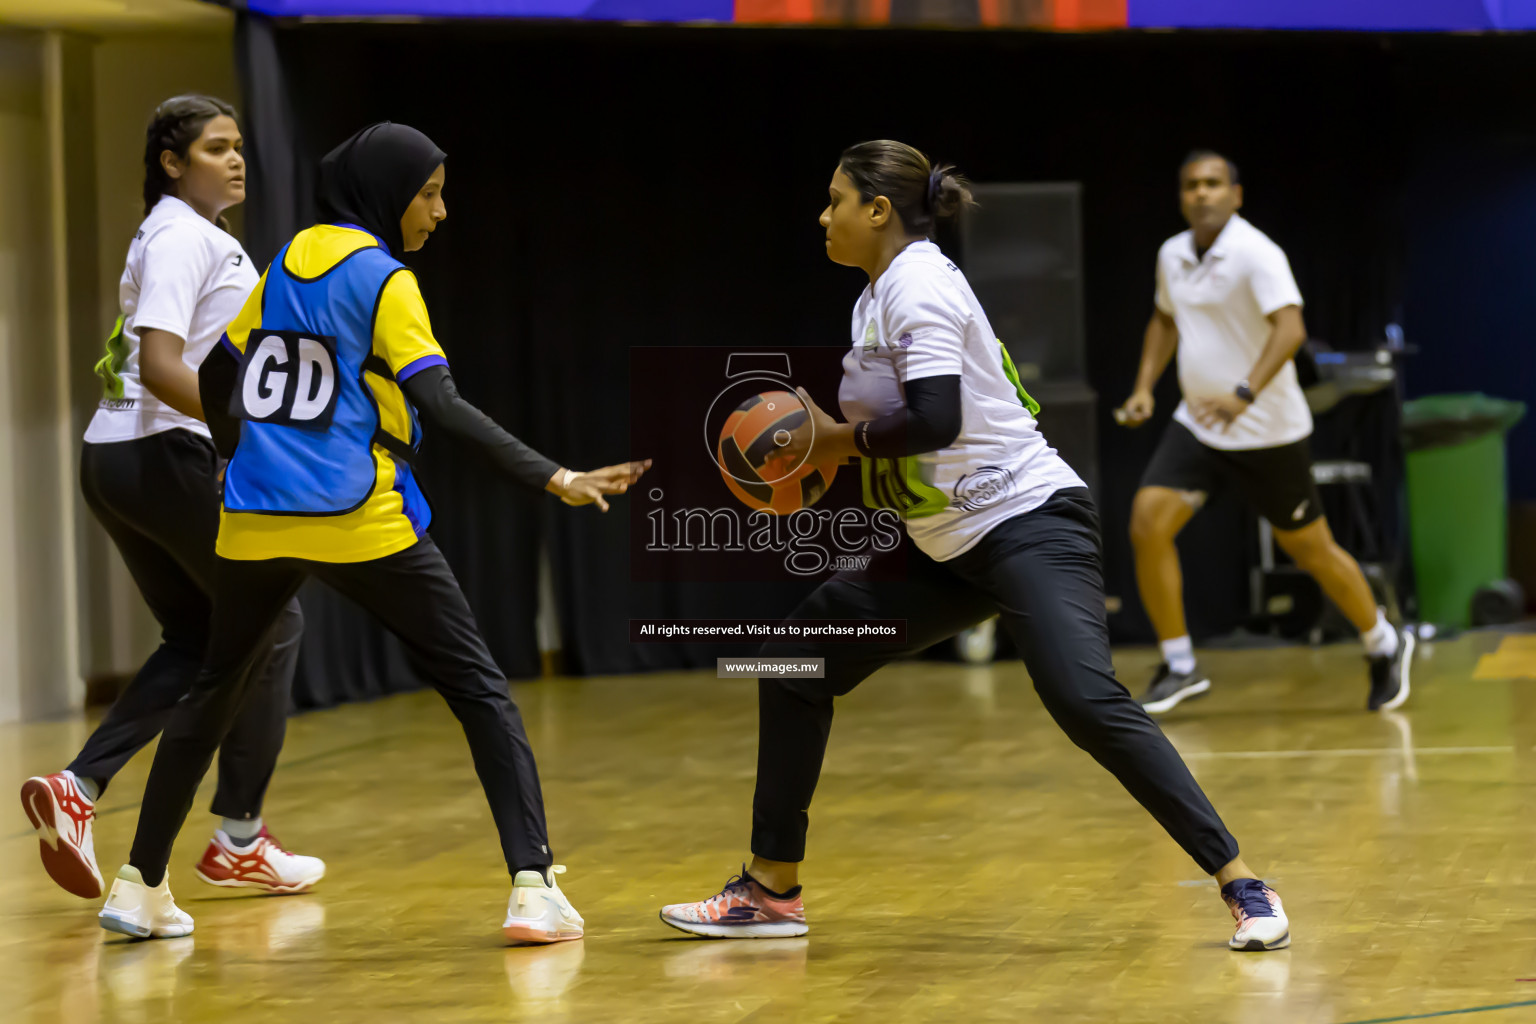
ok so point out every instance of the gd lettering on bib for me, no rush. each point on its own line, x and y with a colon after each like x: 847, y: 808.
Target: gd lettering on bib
x: 288, y: 379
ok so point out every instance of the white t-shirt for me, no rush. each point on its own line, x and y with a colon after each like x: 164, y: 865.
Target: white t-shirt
x: 184, y: 275
x: 1220, y: 304
x: 921, y: 319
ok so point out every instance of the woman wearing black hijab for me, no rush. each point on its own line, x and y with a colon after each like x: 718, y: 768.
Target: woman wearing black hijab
x: 313, y: 394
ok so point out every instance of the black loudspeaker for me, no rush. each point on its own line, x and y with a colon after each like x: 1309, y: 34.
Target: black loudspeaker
x: 1021, y: 250
x: 1068, y: 412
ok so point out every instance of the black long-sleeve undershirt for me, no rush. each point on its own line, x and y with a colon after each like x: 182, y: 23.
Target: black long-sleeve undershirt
x: 215, y: 383
x: 435, y: 396
x: 431, y: 391
x: 930, y: 420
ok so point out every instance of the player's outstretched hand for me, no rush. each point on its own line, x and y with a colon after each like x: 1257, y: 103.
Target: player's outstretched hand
x: 589, y: 487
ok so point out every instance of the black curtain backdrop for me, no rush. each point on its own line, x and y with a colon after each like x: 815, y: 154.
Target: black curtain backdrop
x: 612, y: 187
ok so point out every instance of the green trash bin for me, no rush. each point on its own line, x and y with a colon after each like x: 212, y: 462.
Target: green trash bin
x: 1457, y: 499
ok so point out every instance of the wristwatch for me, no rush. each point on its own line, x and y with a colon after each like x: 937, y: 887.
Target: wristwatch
x: 1244, y: 392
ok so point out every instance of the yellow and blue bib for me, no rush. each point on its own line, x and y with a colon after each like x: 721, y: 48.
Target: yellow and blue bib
x: 322, y: 470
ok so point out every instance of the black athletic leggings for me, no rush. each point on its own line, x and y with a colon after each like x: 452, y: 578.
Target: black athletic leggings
x: 158, y: 499
x: 1042, y: 572
x: 414, y: 594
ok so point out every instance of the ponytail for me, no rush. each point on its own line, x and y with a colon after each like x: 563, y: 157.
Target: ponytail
x: 921, y: 192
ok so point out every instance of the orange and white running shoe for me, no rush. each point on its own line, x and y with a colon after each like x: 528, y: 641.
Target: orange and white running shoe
x: 742, y: 910
x: 62, y: 815
x: 263, y: 864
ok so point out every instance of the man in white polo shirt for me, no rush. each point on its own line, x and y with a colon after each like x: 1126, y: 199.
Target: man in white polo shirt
x: 1226, y: 301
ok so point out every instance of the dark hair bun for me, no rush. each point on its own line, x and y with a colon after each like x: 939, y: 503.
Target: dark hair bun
x: 920, y: 191
x: 951, y: 193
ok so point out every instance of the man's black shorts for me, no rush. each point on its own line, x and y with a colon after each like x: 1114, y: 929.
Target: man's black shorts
x: 1276, y: 481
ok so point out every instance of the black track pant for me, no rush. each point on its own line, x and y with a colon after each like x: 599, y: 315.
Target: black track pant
x: 1041, y: 572
x: 414, y: 594
x: 158, y: 499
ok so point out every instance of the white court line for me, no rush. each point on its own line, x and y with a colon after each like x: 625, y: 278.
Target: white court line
x: 1261, y: 755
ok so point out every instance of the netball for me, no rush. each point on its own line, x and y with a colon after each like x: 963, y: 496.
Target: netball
x: 749, y: 459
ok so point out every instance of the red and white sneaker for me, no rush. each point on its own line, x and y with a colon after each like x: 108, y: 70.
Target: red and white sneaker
x: 742, y: 910
x: 62, y: 815
x: 263, y: 864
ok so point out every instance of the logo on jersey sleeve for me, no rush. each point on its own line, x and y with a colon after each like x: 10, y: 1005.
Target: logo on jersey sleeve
x: 914, y: 336
x: 287, y: 378
x: 871, y: 338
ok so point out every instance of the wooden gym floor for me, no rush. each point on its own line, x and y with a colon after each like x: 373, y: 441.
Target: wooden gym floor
x: 967, y: 863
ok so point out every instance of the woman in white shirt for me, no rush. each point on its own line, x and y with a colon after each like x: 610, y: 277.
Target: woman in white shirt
x: 999, y: 524
x: 151, y: 477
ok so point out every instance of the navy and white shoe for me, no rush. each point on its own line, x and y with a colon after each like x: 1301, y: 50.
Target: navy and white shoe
x: 1390, y: 676
x: 1168, y: 688
x: 1261, y: 920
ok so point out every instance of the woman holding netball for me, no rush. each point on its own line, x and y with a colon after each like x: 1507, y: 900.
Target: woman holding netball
x: 313, y: 391
x: 1000, y: 526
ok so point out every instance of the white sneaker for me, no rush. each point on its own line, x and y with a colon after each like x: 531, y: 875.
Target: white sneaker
x: 538, y: 911
x: 1261, y: 920
x: 136, y: 910
x: 261, y: 864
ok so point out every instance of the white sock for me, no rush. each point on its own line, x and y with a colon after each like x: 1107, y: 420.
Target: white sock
x: 87, y: 786
x: 242, y: 832
x: 1381, y: 639
x: 1180, y: 655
